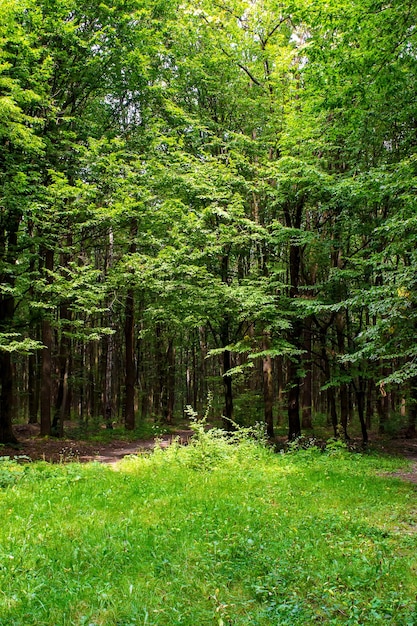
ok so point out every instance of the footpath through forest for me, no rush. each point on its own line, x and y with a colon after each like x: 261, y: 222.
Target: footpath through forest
x: 32, y: 447
x: 37, y: 448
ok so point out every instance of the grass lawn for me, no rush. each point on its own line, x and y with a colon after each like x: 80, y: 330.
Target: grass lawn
x: 209, y: 534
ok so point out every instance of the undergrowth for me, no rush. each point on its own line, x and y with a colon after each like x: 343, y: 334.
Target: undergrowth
x: 211, y: 447
x: 95, y: 431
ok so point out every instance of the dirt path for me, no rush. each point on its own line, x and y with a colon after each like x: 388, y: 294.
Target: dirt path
x: 112, y: 455
x: 410, y: 476
x: 33, y: 447
x: 408, y: 449
x: 64, y: 450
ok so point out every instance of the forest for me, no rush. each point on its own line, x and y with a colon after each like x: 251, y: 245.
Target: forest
x: 208, y: 201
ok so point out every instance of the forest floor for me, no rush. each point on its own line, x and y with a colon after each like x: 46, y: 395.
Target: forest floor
x: 61, y: 450
x: 57, y: 450
x: 405, y: 448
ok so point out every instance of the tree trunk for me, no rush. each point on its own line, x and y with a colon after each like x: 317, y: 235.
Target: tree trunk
x: 170, y: 383
x: 46, y: 378
x: 8, y: 242
x: 294, y: 428
x: 6, y: 399
x: 195, y: 386
x: 93, y: 382
x: 344, y: 391
x: 160, y: 381
x: 57, y: 428
x: 108, y: 385
x: 412, y: 412
x: 227, y: 357
x: 227, y: 379
x: 331, y: 400
x: 280, y: 388
x: 228, y: 392
x: 307, y: 395
x: 33, y: 359
x: 360, y: 398
x: 108, y: 404
x: 268, y: 388
x: 344, y: 408
x: 130, y: 370
x: 294, y: 366
x: 33, y: 388
x: 382, y: 407
x: 203, y: 363
x: 294, y: 384
x: 369, y: 405
x: 46, y: 356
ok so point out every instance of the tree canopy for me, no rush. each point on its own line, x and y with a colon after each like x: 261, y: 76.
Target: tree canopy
x: 208, y: 196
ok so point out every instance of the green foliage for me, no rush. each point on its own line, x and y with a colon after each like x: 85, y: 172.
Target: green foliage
x: 210, y: 448
x: 12, y: 342
x: 238, y: 167
x: 310, y: 447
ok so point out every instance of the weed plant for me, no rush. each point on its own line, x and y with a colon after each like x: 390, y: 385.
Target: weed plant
x: 219, y: 532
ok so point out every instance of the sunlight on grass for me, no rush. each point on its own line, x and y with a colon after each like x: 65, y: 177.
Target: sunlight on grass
x: 246, y: 538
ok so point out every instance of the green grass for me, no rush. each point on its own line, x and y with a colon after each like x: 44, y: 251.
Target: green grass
x: 209, y: 534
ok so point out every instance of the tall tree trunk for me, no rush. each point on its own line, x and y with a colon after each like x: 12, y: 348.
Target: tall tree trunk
x: 307, y: 391
x: 280, y: 387
x: 202, y: 338
x: 61, y: 403
x: 227, y: 379
x: 108, y: 384
x: 412, y: 411
x: 46, y: 356
x: 294, y: 364
x: 160, y: 373
x: 166, y: 375
x: 188, y: 378
x: 382, y: 407
x: 227, y: 356
x: 331, y: 400
x: 228, y: 392
x: 81, y: 396
x: 108, y: 404
x: 344, y: 408
x: 130, y: 370
x: 344, y: 391
x: 6, y: 399
x: 33, y: 387
x: 369, y: 405
x: 8, y: 242
x: 170, y: 383
x: 294, y: 427
x: 360, y: 398
x: 268, y: 388
x: 46, y: 378
x: 142, y: 377
x: 57, y: 428
x: 33, y: 359
x: 92, y: 379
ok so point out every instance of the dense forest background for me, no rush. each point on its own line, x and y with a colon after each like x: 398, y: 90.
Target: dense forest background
x: 208, y: 198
